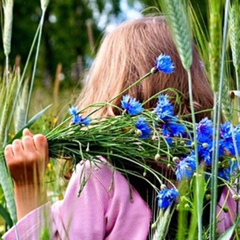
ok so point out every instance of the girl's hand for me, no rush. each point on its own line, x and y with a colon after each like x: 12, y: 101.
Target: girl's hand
x: 27, y: 158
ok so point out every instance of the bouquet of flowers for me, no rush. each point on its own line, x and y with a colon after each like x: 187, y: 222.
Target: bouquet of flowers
x: 139, y: 139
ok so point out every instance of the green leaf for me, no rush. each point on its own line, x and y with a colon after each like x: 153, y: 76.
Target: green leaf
x: 7, y: 186
x: 198, y: 199
x: 29, y: 123
x: 229, y: 233
x: 6, y: 216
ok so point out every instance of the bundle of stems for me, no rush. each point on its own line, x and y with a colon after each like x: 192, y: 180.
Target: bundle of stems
x: 120, y: 142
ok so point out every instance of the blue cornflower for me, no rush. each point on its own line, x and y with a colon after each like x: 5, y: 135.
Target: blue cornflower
x: 77, y: 119
x: 164, y: 109
x: 173, y: 128
x: 205, y: 150
x: 205, y: 153
x: 163, y: 99
x: 204, y: 130
x: 207, y: 159
x: 86, y: 121
x: 237, y: 136
x: 226, y: 140
x: 73, y: 110
x: 166, y: 197
x: 131, y: 105
x: 143, y: 126
x: 225, y: 130
x: 164, y: 64
x: 186, y: 168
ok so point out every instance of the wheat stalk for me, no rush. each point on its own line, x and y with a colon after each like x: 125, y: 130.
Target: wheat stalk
x: 179, y: 22
x: 217, y: 114
x: 7, y: 98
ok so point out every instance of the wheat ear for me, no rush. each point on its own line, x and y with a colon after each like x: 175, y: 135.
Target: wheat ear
x: 215, y: 44
x: 7, y: 28
x: 234, y: 36
x: 178, y: 21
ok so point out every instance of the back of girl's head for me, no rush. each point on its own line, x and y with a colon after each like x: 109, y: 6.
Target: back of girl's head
x: 128, y: 53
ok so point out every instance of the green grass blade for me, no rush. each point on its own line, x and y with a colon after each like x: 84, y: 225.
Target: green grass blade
x: 6, y: 108
x: 229, y: 233
x: 19, y: 113
x: 216, y: 122
x: 35, y: 65
x: 197, y: 200
x: 7, y: 186
x: 29, y: 123
x: 200, y: 35
x: 6, y: 216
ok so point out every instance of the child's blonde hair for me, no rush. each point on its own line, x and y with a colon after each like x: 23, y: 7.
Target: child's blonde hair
x: 128, y: 53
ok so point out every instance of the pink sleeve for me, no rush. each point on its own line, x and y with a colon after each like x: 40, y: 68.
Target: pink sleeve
x: 32, y: 225
x: 228, y: 217
x: 104, y: 210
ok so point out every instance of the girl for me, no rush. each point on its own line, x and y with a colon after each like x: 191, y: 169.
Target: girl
x: 104, y: 209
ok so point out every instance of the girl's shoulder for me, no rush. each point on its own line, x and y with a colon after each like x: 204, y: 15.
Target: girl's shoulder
x: 100, y: 174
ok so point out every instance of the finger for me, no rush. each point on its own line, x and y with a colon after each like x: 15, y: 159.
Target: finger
x: 28, y: 144
x: 41, y: 145
x: 8, y: 152
x: 27, y: 132
x: 40, y: 142
x: 17, y: 147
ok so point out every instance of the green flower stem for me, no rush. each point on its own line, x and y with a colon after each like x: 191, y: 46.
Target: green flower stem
x: 35, y: 64
x: 199, y: 205
x: 216, y: 122
x: 182, y: 212
x: 10, y: 116
x: 200, y: 180
x: 101, y: 105
x: 153, y: 71
x: 214, y: 180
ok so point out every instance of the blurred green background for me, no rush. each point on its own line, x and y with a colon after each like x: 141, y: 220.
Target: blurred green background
x: 71, y: 35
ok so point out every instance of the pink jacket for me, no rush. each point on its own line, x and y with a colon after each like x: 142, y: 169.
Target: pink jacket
x: 104, y: 210
x: 226, y: 218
